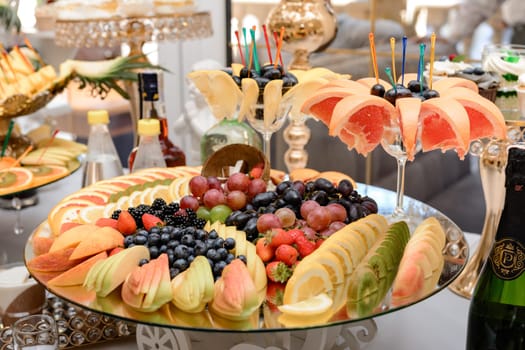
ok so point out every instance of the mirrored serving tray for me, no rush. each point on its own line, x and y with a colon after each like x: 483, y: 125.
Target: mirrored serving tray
x: 455, y: 255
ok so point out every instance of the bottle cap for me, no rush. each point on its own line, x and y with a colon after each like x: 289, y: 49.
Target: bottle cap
x: 148, y: 127
x: 98, y: 117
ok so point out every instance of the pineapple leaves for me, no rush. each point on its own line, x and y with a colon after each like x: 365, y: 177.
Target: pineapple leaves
x: 121, y: 69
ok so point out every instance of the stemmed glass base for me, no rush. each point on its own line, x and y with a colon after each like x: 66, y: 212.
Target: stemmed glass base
x: 18, y: 202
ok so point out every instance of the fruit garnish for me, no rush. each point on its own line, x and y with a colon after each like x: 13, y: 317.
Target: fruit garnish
x: 313, y: 306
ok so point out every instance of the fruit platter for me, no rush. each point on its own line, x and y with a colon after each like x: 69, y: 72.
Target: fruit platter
x: 170, y: 247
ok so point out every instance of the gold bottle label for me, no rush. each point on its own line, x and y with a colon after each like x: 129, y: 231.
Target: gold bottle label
x: 508, y: 259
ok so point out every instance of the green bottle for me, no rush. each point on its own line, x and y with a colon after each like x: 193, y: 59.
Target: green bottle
x: 497, y: 309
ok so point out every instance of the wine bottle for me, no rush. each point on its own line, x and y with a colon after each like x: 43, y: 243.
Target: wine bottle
x: 152, y: 106
x: 497, y: 309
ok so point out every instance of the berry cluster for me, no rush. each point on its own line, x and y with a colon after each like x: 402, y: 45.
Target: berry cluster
x: 267, y: 73
x: 182, y: 245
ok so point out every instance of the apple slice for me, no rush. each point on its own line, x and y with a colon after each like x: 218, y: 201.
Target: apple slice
x: 76, y: 275
x: 72, y: 237
x: 102, y: 239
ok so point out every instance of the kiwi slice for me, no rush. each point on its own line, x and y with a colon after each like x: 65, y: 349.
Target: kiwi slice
x: 378, y: 264
x: 7, y: 179
x: 363, y: 293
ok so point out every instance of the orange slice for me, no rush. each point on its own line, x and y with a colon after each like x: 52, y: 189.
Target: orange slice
x: 43, y: 174
x: 308, y: 282
x: 359, y: 121
x: 486, y: 119
x: 444, y: 125
x: 408, y: 109
x: 15, y: 179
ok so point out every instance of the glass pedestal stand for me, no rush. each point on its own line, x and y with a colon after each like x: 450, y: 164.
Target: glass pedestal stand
x: 296, y: 135
x: 492, y: 162
x: 352, y: 336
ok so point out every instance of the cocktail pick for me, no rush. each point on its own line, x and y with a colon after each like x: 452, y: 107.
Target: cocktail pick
x: 47, y: 145
x: 276, y: 41
x: 432, y: 52
x: 254, y: 52
x: 373, y: 56
x: 267, y: 41
x: 239, y: 46
x: 22, y: 156
x: 403, y: 60
x: 421, y: 66
x: 393, y: 54
x: 7, y: 136
x: 279, y: 47
x: 246, y: 47
x: 388, y: 72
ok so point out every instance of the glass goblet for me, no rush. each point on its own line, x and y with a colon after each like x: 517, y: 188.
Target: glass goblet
x: 267, y: 119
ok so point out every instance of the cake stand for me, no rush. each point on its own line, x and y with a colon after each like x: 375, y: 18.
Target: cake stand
x: 170, y: 328
x: 133, y: 31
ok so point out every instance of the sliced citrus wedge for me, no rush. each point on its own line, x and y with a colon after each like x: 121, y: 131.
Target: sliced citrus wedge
x: 315, y: 305
x: 442, y: 85
x: 408, y: 110
x: 359, y: 121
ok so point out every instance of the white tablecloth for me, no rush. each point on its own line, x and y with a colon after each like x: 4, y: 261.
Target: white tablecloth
x: 437, y: 323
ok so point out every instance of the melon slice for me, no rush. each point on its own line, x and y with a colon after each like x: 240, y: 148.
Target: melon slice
x: 444, y: 125
x: 359, y: 121
x: 77, y: 274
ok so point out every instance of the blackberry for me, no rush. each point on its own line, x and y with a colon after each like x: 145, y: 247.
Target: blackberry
x: 158, y: 204
x: 137, y: 212
x: 179, y: 221
x: 116, y: 214
x: 199, y: 223
x: 191, y: 213
x: 172, y: 208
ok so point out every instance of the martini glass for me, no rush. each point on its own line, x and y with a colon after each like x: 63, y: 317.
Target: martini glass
x: 392, y: 143
x: 268, y: 123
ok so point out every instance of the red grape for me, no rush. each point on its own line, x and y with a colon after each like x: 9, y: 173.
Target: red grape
x: 238, y: 181
x: 268, y: 221
x: 256, y: 186
x: 189, y: 202
x: 236, y: 200
x: 319, y: 218
x: 310, y: 233
x: 286, y: 216
x: 214, y: 182
x: 327, y: 232
x: 336, y: 225
x: 307, y: 207
x: 198, y: 185
x: 338, y: 211
x: 213, y: 197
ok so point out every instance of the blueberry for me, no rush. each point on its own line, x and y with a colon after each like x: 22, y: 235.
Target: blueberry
x: 200, y: 248
x: 143, y: 262
x: 219, y: 243
x: 181, y: 264
x: 242, y: 258
x: 155, y: 229
x: 229, y: 243
x: 223, y: 253
x: 229, y: 258
x: 163, y: 249
x: 213, y: 234
x: 200, y: 234
x: 153, y: 239
x: 153, y: 252
x: 176, y: 234
x: 142, y: 232
x: 190, y: 259
x: 165, y: 238
x: 140, y: 239
x: 181, y: 252
x: 128, y: 240
x: 173, y: 244
x: 171, y: 258
x: 213, y: 255
x: 218, y: 267
x: 174, y: 272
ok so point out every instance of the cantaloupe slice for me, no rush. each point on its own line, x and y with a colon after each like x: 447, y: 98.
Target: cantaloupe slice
x: 73, y: 236
x: 56, y: 261
x: 76, y: 275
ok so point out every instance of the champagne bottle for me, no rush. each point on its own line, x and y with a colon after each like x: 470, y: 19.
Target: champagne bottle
x: 497, y: 309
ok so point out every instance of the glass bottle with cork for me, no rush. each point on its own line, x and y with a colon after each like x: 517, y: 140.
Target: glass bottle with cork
x: 148, y: 154
x: 102, y: 159
x: 497, y: 309
x: 152, y: 106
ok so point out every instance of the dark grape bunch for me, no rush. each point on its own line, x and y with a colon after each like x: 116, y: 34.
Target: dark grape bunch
x: 298, y: 198
x: 183, y: 244
x: 171, y: 214
x: 268, y: 72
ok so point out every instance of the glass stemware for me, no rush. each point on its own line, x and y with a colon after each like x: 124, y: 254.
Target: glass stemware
x: 267, y: 124
x: 392, y: 143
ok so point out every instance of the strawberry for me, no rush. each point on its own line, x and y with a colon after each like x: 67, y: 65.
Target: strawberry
x: 126, y: 223
x: 318, y: 242
x: 274, y: 294
x: 304, y: 246
x: 264, y: 250
x: 115, y: 250
x: 295, y: 232
x: 149, y: 221
x: 278, y: 237
x: 287, y: 254
x: 103, y: 222
x: 277, y: 271
x: 257, y: 171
